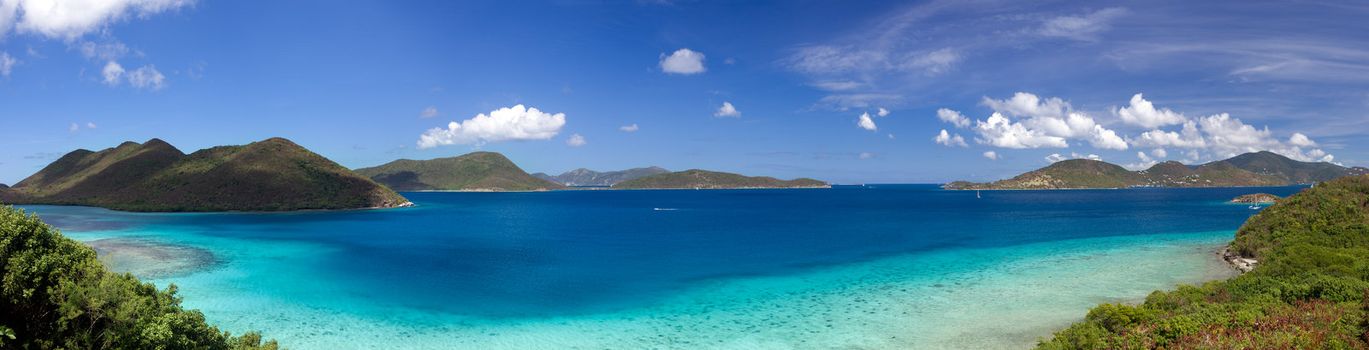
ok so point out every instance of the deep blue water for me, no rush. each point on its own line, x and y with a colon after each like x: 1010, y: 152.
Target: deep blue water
x: 510, y: 255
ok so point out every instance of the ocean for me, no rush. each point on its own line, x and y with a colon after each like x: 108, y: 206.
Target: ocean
x: 853, y: 267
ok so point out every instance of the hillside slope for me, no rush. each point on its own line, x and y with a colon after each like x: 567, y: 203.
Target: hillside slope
x: 1308, y: 290
x: 586, y: 177
x: 703, y: 179
x: 477, y: 171
x: 1250, y: 169
x: 269, y: 175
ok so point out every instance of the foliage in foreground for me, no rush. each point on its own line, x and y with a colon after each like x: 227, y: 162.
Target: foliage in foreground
x: 56, y: 295
x: 1311, y: 290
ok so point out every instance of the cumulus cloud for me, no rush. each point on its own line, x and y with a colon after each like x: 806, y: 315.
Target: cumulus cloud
x: 727, y: 111
x: 71, y: 19
x: 90, y: 125
x: 864, y: 122
x: 7, y: 63
x: 999, y: 131
x: 1300, y: 140
x: 628, y: 128
x: 504, y: 124
x: 1223, y: 136
x: 1083, y: 27
x: 1047, y: 122
x: 953, y: 117
x: 428, y: 112
x: 575, y: 140
x: 1159, y: 153
x: 1143, y: 113
x: 866, y: 155
x: 146, y: 77
x: 683, y: 61
x: 1145, y: 162
x: 945, y: 138
x: 991, y: 155
x: 77, y: 126
x: 112, y: 72
x: 882, y: 112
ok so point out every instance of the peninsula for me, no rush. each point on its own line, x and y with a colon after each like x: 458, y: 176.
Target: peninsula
x: 477, y: 171
x: 586, y: 177
x: 703, y: 179
x: 269, y: 175
x: 1251, y: 169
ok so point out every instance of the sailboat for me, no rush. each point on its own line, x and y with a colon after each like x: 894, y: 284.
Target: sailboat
x: 976, y: 195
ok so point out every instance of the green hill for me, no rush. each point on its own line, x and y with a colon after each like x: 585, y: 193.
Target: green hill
x: 269, y: 175
x: 477, y: 171
x: 1250, y: 169
x: 702, y: 179
x: 586, y: 177
x: 1309, y: 289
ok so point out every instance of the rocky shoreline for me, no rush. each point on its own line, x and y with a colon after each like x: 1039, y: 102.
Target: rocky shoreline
x: 1238, y: 262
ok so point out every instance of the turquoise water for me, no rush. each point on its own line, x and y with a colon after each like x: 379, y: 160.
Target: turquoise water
x: 897, y: 266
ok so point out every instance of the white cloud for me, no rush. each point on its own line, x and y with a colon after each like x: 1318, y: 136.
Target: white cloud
x: 866, y: 155
x: 883, y: 112
x: 932, y: 63
x: 727, y: 111
x: 953, y: 117
x: 90, y: 125
x: 1056, y: 157
x: 862, y: 100
x: 683, y: 61
x: 991, y: 155
x: 628, y: 128
x: 1046, y: 123
x: 146, y: 77
x: 109, y: 50
x: 1159, y: 153
x: 504, y: 124
x: 1300, y: 140
x: 864, y: 122
x: 429, y: 112
x: 575, y: 140
x: 7, y: 63
x: 74, y: 127
x: 112, y: 72
x: 1146, y: 162
x: 1083, y: 28
x: 1144, y: 114
x: 71, y: 19
x: 999, y: 131
x: 1024, y: 104
x: 948, y: 140
x: 838, y: 85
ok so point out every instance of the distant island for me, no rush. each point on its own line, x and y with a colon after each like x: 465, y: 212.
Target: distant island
x: 1251, y: 169
x: 703, y: 179
x: 269, y: 175
x: 1255, y: 198
x: 1304, y: 289
x: 477, y: 171
x: 586, y: 177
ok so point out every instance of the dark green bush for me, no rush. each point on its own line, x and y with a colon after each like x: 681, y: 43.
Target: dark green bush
x: 55, y: 295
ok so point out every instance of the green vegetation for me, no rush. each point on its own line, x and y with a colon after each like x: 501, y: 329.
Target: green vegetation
x: 1255, y: 198
x: 702, y: 179
x: 586, y: 177
x: 1250, y: 169
x: 477, y: 171
x: 56, y: 295
x: 1309, y: 291
x: 269, y: 175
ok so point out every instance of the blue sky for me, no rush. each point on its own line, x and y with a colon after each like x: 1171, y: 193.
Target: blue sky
x: 362, y: 83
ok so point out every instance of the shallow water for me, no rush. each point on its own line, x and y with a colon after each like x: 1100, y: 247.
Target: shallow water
x: 897, y: 266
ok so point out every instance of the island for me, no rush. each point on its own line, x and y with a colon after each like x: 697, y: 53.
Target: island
x: 1306, y: 292
x: 586, y: 177
x: 476, y: 171
x: 703, y: 179
x: 1255, y: 198
x: 269, y: 175
x: 1251, y: 169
